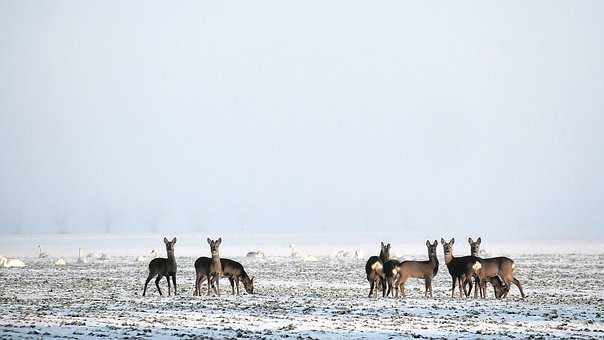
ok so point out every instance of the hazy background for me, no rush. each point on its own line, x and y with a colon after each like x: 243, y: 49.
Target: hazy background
x: 416, y: 119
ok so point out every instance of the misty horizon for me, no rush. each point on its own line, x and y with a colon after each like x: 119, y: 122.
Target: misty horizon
x: 224, y: 117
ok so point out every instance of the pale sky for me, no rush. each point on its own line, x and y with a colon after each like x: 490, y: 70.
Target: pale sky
x: 444, y: 117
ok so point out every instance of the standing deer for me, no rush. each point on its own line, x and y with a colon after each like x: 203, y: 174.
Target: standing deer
x: 390, y: 275
x: 496, y: 266
x: 374, y: 268
x: 426, y: 270
x: 163, y: 267
x: 231, y: 269
x: 215, y: 267
x: 461, y: 268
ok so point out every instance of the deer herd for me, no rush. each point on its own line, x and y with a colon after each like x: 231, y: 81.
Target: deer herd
x: 465, y: 271
x: 390, y: 275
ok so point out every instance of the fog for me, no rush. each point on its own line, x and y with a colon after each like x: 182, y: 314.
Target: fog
x: 416, y: 119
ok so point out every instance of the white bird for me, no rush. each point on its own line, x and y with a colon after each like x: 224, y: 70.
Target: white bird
x: 11, y: 263
x: 81, y: 260
x: 257, y: 253
x: 292, y: 251
x: 60, y: 262
x: 41, y: 254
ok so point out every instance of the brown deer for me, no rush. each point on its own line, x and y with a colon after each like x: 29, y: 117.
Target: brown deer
x: 461, y: 268
x: 390, y: 275
x: 374, y: 268
x: 215, y: 267
x: 496, y: 266
x: 231, y: 269
x: 163, y: 267
x: 419, y: 269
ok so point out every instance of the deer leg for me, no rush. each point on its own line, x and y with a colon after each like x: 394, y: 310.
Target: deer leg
x: 371, y: 284
x: 232, y: 282
x: 168, y: 279
x: 237, y: 283
x: 430, y: 285
x: 151, y: 275
x: 209, y: 285
x: 174, y: 281
x: 157, y: 283
x: 461, y: 287
x: 453, y: 288
x: 427, y: 284
x: 517, y: 283
x: 218, y: 285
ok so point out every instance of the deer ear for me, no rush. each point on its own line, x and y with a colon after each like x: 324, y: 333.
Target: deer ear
x: 252, y: 279
x: 382, y: 244
x: 427, y: 243
x: 478, y: 240
x: 442, y: 240
x: 452, y: 240
x: 174, y: 240
x: 219, y: 241
x: 165, y: 240
x: 469, y: 240
x: 209, y: 241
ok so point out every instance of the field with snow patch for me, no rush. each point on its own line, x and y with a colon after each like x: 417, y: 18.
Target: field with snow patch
x: 323, y: 299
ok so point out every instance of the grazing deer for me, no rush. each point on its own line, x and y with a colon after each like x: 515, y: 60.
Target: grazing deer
x: 215, y: 267
x: 374, y: 268
x: 390, y: 275
x: 231, y: 269
x: 461, y: 268
x: 496, y: 266
x: 163, y: 267
x: 419, y: 269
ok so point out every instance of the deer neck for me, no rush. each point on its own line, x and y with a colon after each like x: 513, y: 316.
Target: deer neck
x: 215, y: 256
x: 433, y: 259
x: 171, y: 257
x: 448, y: 258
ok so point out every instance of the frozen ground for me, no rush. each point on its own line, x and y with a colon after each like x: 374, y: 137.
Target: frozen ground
x: 324, y: 299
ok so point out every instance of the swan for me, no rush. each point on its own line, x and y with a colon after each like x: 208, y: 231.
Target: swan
x: 11, y: 263
x: 257, y: 253
x: 60, y: 262
x: 41, y: 254
x: 81, y: 260
x: 292, y: 251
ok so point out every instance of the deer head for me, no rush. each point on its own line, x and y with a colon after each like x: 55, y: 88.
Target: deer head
x: 474, y: 246
x: 214, y: 246
x: 385, y: 252
x: 170, y: 245
x: 431, y: 248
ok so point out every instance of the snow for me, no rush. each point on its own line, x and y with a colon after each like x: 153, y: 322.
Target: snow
x: 322, y: 299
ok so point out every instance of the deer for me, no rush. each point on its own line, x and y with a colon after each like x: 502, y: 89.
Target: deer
x: 390, y: 275
x: 215, y: 267
x: 462, y: 268
x: 231, y: 269
x: 161, y: 267
x: 374, y: 268
x: 426, y: 270
x: 496, y: 266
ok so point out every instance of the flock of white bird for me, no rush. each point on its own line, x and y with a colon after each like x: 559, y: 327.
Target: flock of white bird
x: 94, y: 256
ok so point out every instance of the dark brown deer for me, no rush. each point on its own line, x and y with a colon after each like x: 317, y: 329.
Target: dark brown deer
x: 390, y: 275
x: 461, y: 268
x: 215, y: 267
x: 231, y: 269
x: 163, y: 267
x: 419, y: 269
x: 496, y: 266
x: 374, y: 268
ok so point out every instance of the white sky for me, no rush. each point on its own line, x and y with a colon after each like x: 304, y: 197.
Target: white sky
x: 424, y: 119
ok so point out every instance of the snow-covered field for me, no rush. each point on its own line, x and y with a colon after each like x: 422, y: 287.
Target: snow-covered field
x: 323, y: 299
